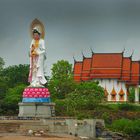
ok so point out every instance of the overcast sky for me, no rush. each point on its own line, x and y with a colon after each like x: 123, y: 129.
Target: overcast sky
x: 72, y: 26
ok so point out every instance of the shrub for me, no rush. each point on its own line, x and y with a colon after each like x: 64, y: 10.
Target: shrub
x: 10, y: 102
x: 106, y: 117
x: 60, y: 108
x: 131, y: 96
x: 127, y: 126
x: 128, y: 107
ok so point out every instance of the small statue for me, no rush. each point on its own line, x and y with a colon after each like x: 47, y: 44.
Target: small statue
x: 37, y: 55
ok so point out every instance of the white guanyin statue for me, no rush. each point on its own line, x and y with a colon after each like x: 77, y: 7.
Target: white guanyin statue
x: 36, y: 101
x: 37, y: 55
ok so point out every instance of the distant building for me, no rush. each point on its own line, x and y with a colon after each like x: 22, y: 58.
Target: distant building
x: 114, y: 72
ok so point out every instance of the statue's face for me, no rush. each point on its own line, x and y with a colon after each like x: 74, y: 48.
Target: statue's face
x: 36, y: 36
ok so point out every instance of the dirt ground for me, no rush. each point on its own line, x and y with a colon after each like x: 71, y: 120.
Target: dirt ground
x: 9, y: 131
x: 7, y: 136
x: 33, y: 138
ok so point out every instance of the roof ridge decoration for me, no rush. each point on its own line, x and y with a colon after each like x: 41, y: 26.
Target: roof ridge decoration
x: 83, y: 55
x: 123, y: 50
x: 132, y: 54
x: 74, y: 59
x: 92, y: 51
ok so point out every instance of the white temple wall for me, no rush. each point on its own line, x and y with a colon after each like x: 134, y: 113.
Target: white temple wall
x: 109, y: 84
x: 137, y: 94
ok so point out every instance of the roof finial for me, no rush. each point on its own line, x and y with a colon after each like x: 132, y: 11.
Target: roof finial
x: 132, y: 53
x: 74, y: 59
x: 83, y: 54
x: 123, y: 50
x: 91, y: 50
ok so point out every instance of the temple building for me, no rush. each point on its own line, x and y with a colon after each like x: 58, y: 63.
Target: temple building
x: 115, y: 73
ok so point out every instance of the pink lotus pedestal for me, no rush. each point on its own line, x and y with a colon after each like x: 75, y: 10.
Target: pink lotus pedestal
x: 36, y: 94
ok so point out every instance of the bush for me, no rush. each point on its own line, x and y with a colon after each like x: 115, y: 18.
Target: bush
x: 87, y: 95
x: 106, y: 117
x: 10, y: 102
x: 131, y: 96
x: 127, y: 126
x: 83, y: 115
x: 128, y: 107
x: 60, y: 108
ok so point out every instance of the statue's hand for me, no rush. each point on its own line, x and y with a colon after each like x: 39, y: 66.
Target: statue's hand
x: 34, y: 53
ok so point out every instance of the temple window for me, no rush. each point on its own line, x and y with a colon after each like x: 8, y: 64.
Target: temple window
x: 121, y: 97
x: 121, y: 94
x: 113, y: 97
x: 113, y: 94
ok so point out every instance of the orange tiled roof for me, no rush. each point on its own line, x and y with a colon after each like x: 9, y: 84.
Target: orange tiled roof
x: 126, y: 69
x: 77, y: 71
x: 135, y: 73
x: 86, y: 69
x: 108, y: 65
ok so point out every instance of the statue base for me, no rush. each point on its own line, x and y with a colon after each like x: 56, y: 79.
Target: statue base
x: 36, y: 102
x: 42, y: 110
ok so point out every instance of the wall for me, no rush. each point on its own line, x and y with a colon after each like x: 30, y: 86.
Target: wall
x: 109, y: 84
x: 84, y: 128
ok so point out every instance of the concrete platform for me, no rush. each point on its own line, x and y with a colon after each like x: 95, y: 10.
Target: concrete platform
x: 43, y: 110
x: 55, y: 126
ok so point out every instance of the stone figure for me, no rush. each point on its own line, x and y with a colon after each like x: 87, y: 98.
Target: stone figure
x: 37, y: 55
x: 36, y: 100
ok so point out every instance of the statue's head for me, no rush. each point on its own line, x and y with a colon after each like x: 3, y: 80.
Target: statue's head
x: 37, y: 29
x: 36, y: 33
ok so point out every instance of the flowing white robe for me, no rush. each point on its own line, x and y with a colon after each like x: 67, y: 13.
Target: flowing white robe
x: 37, y: 69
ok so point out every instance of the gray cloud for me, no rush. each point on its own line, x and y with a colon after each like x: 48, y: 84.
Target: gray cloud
x: 71, y: 26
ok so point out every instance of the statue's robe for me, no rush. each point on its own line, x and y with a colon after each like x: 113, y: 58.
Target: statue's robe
x: 37, y: 69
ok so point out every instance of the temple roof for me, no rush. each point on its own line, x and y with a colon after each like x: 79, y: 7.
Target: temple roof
x: 77, y: 71
x: 86, y: 69
x: 126, y: 69
x: 135, y: 73
x: 108, y: 65
x: 107, y: 60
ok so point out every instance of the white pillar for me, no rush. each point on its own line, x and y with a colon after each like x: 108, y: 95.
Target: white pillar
x: 136, y: 94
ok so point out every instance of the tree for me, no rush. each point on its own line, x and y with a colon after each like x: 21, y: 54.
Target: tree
x: 61, y: 82
x: 87, y: 95
x: 62, y: 70
x: 131, y: 96
x: 3, y: 87
x: 2, y: 63
x: 13, y: 80
x: 13, y: 96
x: 14, y: 75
